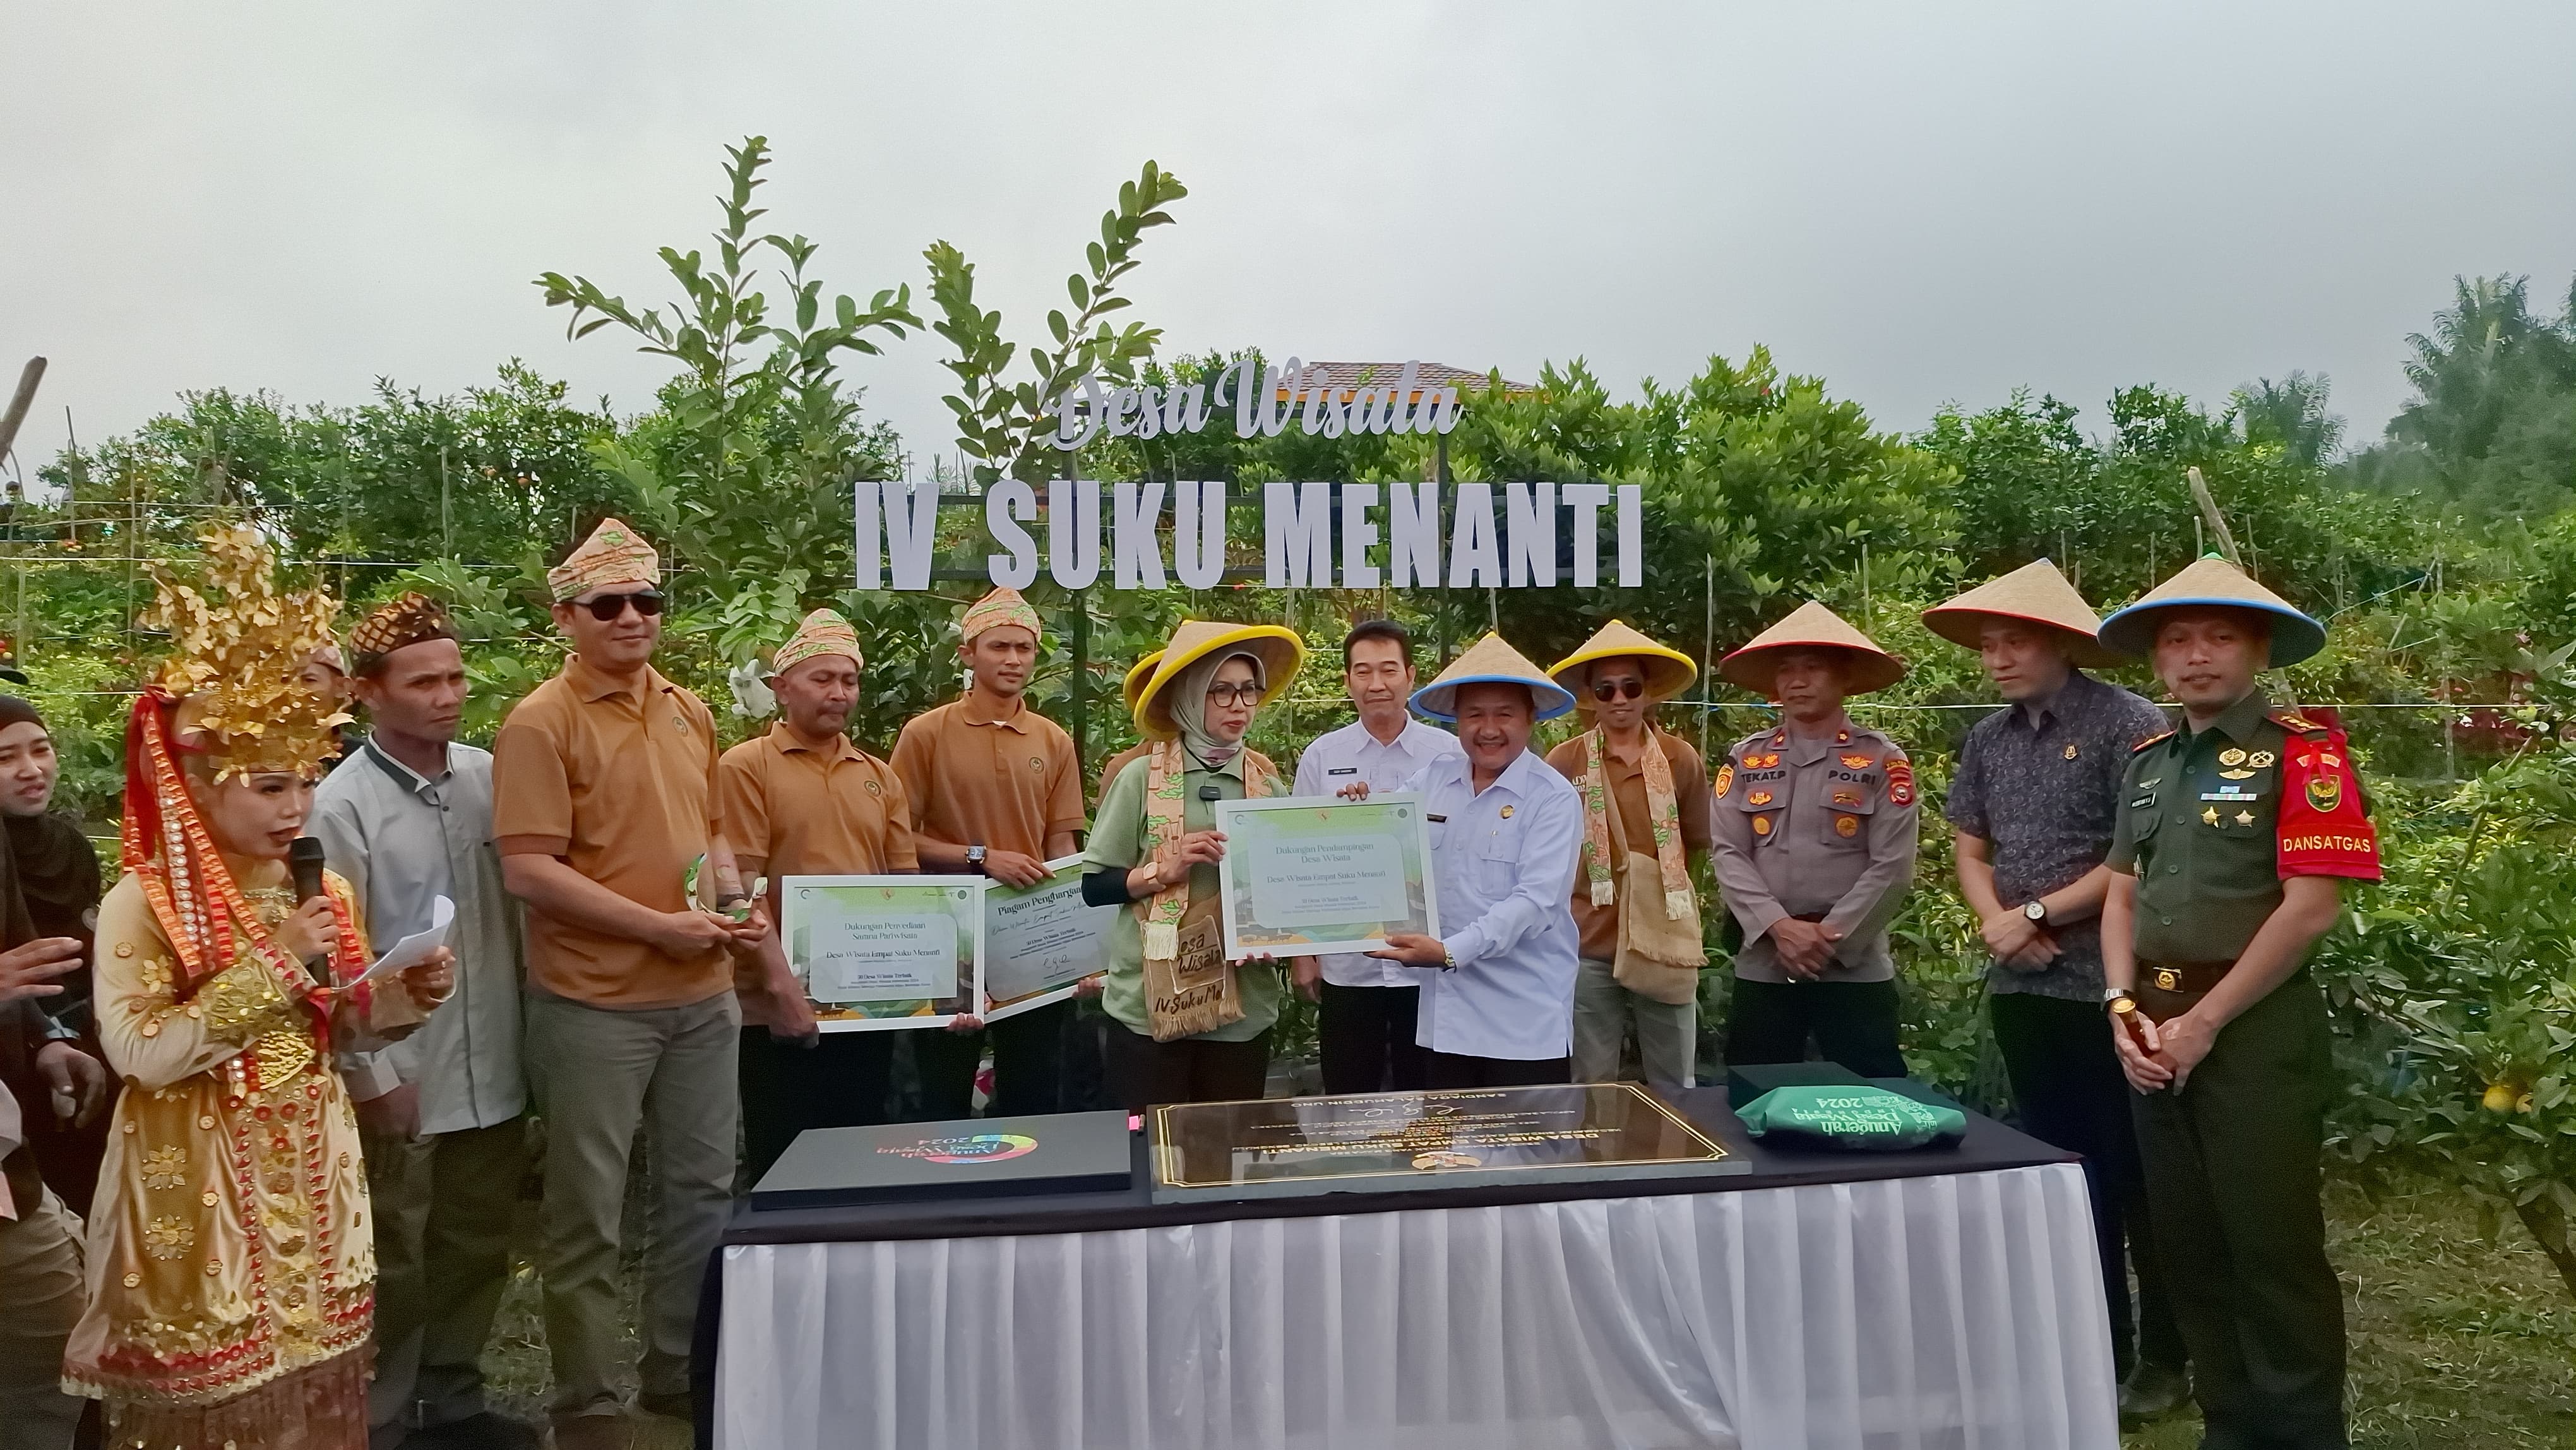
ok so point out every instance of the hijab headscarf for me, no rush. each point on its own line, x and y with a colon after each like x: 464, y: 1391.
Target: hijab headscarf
x: 1189, y: 705
x: 57, y: 871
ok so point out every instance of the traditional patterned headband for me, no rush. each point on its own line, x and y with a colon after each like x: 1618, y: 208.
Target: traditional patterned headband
x: 823, y: 632
x: 413, y: 619
x: 613, y: 554
x: 1002, y: 606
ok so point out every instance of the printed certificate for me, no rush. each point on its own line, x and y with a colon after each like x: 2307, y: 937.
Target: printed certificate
x: 1306, y: 875
x: 883, y: 952
x: 1040, y: 940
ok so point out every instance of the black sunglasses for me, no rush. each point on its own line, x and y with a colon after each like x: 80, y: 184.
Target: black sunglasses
x: 1617, y: 689
x: 647, y: 602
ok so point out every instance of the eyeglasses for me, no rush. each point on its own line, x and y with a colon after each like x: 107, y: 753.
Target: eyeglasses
x: 1227, y: 696
x: 1617, y: 689
x: 647, y: 602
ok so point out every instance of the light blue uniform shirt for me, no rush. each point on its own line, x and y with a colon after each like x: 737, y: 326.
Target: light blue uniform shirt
x: 1339, y: 757
x: 1503, y: 864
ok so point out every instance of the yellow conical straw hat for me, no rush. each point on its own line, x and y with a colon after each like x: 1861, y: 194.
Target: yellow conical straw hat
x: 2035, y: 593
x: 1281, y: 653
x: 1811, y: 626
x: 1137, y: 674
x: 1492, y: 660
x: 1668, y: 670
x: 2211, y: 580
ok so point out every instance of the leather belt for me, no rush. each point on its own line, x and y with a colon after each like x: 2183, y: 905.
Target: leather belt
x: 2178, y: 979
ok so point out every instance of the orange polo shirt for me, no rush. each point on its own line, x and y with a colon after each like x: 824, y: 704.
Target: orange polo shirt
x: 1006, y: 783
x: 807, y: 812
x: 621, y: 785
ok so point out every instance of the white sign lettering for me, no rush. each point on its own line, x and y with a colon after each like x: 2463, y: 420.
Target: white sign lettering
x: 1265, y: 397
x: 1313, y: 535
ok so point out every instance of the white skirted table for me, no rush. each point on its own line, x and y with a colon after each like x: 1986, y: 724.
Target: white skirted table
x: 1929, y: 1299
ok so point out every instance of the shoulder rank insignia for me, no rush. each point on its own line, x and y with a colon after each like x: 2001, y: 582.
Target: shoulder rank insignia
x: 1857, y: 762
x: 1725, y: 779
x: 2151, y: 740
x: 1779, y: 738
x: 2297, y: 723
x: 1900, y: 781
x: 1842, y: 737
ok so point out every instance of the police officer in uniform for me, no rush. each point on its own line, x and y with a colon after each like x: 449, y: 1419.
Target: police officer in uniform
x: 1815, y: 840
x: 2234, y: 835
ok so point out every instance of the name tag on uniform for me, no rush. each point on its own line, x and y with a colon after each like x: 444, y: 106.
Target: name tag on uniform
x: 1435, y: 820
x: 1343, y: 770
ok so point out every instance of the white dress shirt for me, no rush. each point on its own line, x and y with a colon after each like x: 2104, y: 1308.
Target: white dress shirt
x: 1335, y: 759
x: 402, y: 842
x: 1503, y: 863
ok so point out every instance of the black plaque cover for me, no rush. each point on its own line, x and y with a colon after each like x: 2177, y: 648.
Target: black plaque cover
x: 1376, y: 1142
x: 1052, y: 1153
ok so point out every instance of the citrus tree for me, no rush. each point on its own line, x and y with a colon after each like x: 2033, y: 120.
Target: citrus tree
x: 2462, y: 970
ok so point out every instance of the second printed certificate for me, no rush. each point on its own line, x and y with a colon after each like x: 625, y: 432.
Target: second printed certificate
x: 883, y: 952
x: 1307, y: 875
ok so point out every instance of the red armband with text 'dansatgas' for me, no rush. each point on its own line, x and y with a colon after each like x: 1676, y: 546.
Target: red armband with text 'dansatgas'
x: 2324, y: 829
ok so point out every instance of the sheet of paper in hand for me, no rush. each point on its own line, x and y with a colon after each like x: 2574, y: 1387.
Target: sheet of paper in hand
x: 1306, y: 875
x: 1040, y: 940
x: 881, y: 952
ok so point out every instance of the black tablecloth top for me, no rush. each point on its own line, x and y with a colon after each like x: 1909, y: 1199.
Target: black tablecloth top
x: 1988, y: 1145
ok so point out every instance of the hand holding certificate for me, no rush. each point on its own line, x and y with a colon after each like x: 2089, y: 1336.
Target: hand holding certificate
x: 1309, y: 875
x: 882, y: 952
x: 1041, y: 941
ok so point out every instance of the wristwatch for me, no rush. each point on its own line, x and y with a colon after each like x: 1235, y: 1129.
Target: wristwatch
x: 975, y: 859
x: 2037, y: 912
x: 2111, y: 995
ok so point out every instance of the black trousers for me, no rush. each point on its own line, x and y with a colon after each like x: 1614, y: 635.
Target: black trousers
x: 1457, y: 1070
x: 1854, y: 1023
x: 2233, y: 1183
x: 1028, y: 1066
x: 1143, y: 1072
x: 1366, y: 1035
x: 839, y: 1082
x: 2067, y: 1085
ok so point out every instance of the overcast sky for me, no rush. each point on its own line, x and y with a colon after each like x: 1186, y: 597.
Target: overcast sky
x: 1921, y: 203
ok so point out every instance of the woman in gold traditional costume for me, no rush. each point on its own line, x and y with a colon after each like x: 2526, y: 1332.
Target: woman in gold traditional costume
x: 231, y: 1266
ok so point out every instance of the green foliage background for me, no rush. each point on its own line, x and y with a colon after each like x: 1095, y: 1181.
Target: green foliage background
x: 2443, y: 555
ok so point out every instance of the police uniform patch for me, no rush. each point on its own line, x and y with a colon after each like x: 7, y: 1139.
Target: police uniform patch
x: 1847, y: 826
x: 1857, y: 762
x: 1762, y: 825
x: 1846, y: 797
x: 1900, y: 782
x: 1758, y: 798
x: 1725, y: 779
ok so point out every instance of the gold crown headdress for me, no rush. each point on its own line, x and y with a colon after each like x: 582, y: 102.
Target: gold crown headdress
x: 239, y: 643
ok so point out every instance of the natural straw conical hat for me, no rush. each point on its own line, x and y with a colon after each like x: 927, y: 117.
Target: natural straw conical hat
x: 2035, y: 593
x: 2207, y: 581
x: 1491, y: 661
x: 1668, y: 670
x: 1811, y: 626
x: 1280, y: 650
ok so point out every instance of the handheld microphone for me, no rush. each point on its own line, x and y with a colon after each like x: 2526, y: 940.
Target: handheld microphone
x: 304, y: 862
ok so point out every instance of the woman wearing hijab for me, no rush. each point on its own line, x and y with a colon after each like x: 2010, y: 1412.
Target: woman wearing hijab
x: 57, y: 876
x: 1193, y: 1027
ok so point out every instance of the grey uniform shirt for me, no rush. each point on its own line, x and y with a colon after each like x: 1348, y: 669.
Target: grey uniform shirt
x: 2040, y: 783
x: 402, y: 842
x: 1819, y: 827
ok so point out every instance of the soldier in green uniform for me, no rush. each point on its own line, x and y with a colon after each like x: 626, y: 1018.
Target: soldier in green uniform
x: 2234, y: 835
